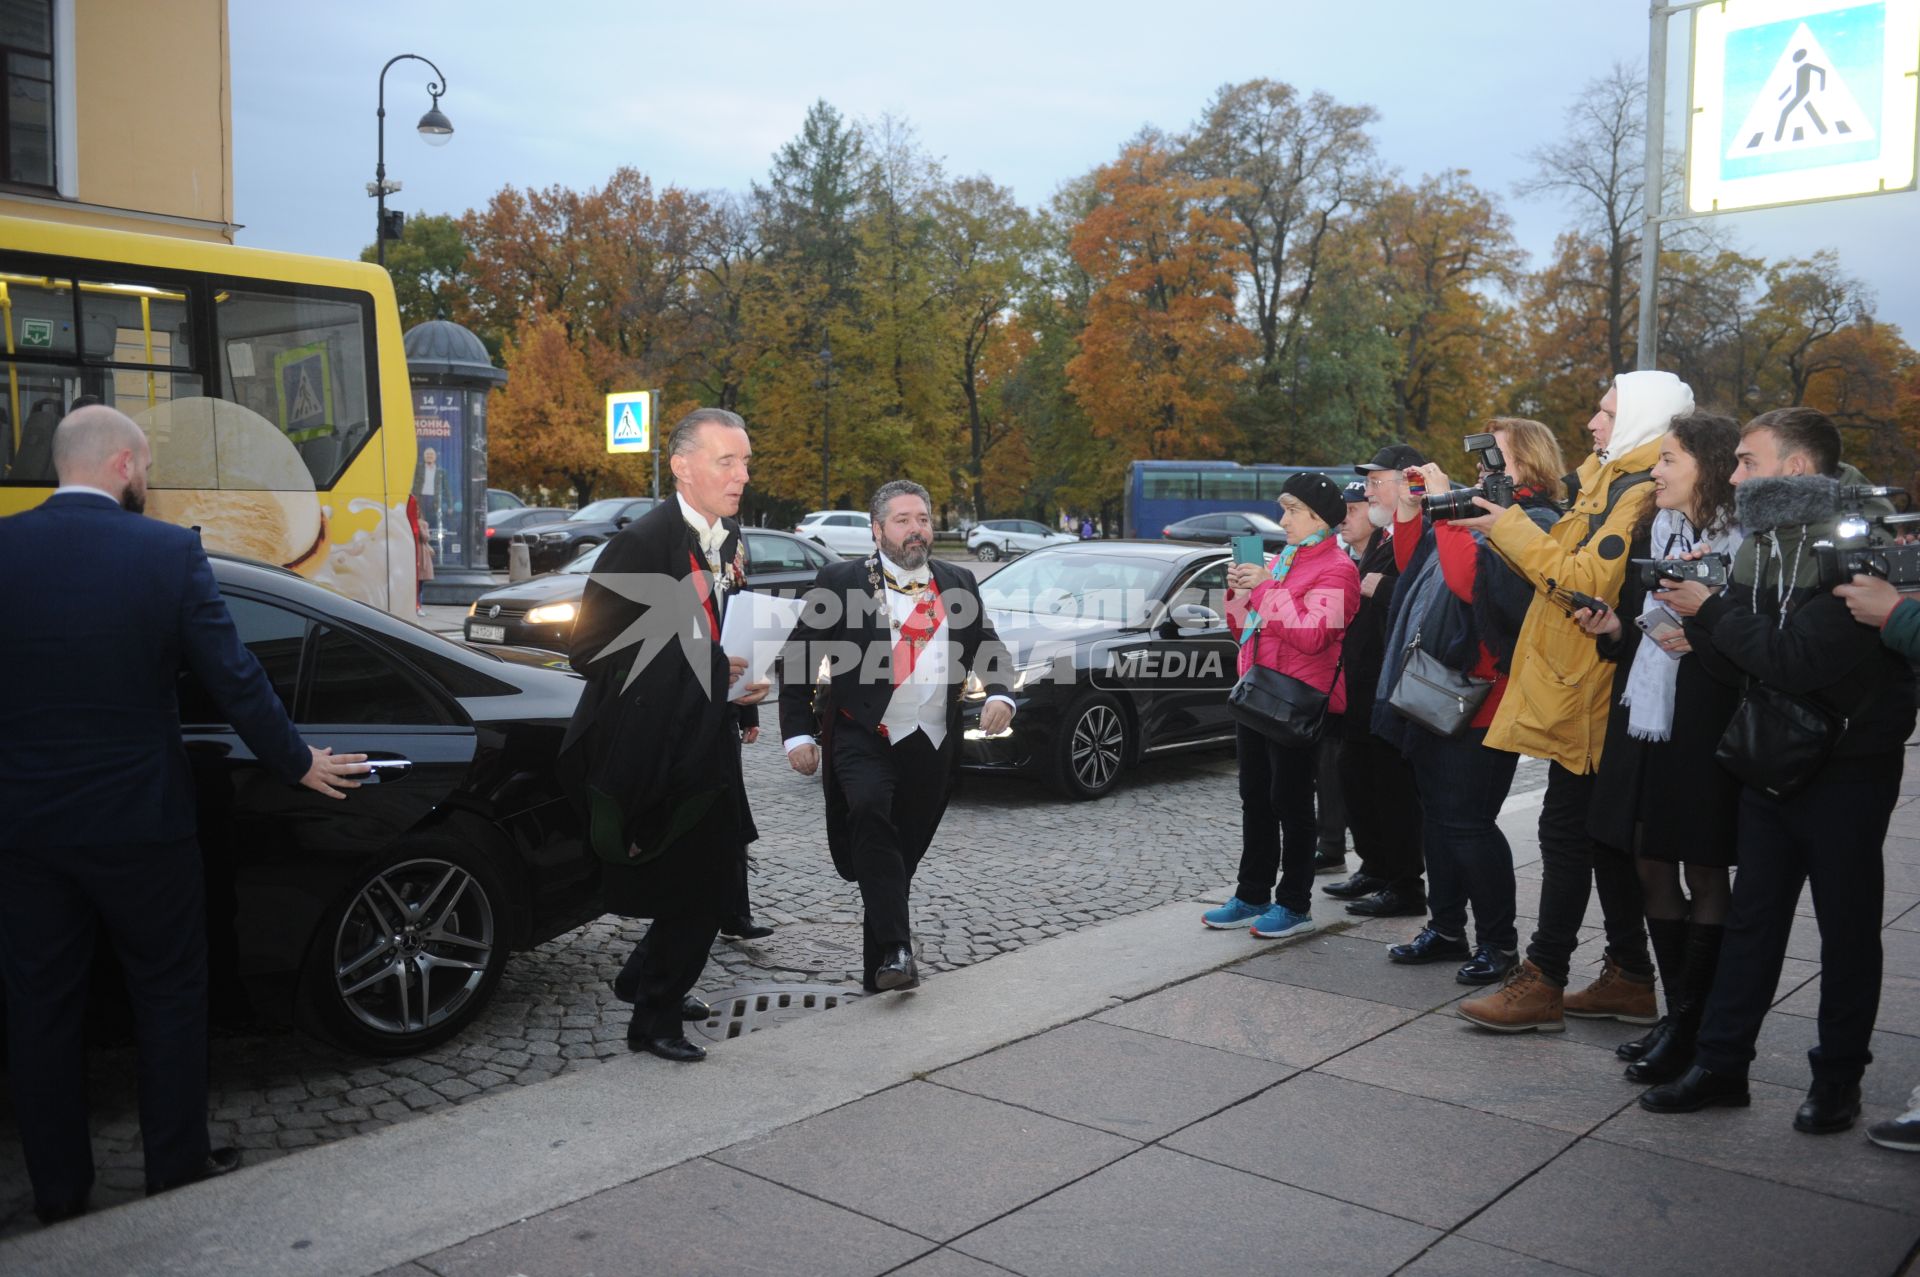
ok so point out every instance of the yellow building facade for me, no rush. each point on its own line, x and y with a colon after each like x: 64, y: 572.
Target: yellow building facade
x: 118, y: 114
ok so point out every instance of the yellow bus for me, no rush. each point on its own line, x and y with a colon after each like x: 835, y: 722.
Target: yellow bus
x: 273, y: 388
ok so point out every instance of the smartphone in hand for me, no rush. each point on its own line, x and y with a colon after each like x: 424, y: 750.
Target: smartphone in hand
x: 1250, y: 550
x: 1660, y: 622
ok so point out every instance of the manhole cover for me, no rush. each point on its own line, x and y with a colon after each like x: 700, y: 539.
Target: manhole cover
x: 762, y: 1006
x: 807, y: 946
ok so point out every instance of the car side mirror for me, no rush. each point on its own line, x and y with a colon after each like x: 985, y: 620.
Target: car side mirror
x: 1194, y: 616
x: 622, y: 522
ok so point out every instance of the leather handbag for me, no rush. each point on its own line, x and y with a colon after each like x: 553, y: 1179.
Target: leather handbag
x: 1279, y: 706
x: 1776, y: 741
x: 1431, y: 696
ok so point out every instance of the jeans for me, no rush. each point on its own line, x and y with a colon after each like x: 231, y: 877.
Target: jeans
x: 1831, y: 832
x: 1385, y: 814
x: 1572, y: 865
x: 1462, y: 784
x: 1276, y: 810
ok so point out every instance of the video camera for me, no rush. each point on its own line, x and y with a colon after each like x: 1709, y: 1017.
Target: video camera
x: 1710, y: 571
x: 1497, y: 487
x: 1868, y: 544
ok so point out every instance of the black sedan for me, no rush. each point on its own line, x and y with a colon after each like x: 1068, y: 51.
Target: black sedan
x: 1121, y: 653
x: 552, y: 545
x: 1220, y: 529
x: 541, y: 612
x: 384, y: 920
x: 502, y: 524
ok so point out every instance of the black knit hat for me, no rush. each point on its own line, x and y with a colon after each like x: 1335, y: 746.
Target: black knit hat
x: 1319, y: 494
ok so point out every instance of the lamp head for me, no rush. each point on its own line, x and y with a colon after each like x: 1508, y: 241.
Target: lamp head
x: 435, y: 127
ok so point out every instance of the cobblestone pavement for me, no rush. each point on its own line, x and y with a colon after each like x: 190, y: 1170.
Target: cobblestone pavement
x: 1013, y: 864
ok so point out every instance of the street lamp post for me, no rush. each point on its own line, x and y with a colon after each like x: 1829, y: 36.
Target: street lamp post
x: 826, y: 425
x: 435, y: 128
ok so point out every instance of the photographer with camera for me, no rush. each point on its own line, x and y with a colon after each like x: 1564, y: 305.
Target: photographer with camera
x: 1659, y: 796
x: 1817, y: 743
x: 1559, y: 713
x: 1455, y: 619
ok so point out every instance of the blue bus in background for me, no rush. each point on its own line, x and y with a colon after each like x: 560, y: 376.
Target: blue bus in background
x: 1163, y: 492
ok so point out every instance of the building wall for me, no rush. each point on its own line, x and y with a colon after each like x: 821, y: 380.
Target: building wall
x: 151, y: 117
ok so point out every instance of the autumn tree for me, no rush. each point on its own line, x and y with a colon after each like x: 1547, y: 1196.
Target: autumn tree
x: 547, y: 426
x: 1162, y: 351
x: 428, y: 264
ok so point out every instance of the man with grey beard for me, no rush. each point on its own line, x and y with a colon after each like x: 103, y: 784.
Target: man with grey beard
x: 898, y: 631
x: 1383, y: 808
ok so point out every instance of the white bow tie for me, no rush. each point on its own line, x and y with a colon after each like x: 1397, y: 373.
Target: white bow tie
x: 711, y: 538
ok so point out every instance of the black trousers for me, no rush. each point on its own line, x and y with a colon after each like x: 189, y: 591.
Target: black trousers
x: 1383, y: 811
x: 1276, y: 821
x: 1330, y: 800
x: 895, y: 794
x: 1572, y: 867
x: 665, y: 966
x: 1830, y: 832
x: 149, y: 900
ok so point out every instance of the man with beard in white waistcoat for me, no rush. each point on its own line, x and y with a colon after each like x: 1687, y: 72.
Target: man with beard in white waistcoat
x: 899, y: 631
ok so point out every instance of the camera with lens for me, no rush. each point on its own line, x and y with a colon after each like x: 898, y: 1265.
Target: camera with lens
x: 1496, y: 487
x: 1868, y: 544
x: 1710, y: 571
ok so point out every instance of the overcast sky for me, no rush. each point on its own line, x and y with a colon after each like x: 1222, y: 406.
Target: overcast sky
x: 1029, y: 94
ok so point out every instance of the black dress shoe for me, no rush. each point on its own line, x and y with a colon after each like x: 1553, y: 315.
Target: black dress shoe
x: 220, y: 1161
x: 1636, y: 1048
x: 744, y: 929
x: 1355, y: 887
x: 896, y: 971
x: 678, y: 1050
x: 56, y: 1214
x: 1487, y: 966
x: 1831, y: 1107
x: 1428, y: 946
x: 693, y: 1009
x: 1698, y: 1088
x: 1388, y: 904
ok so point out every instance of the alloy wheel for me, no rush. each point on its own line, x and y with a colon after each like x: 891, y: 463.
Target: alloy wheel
x: 1099, y: 739
x: 414, y: 946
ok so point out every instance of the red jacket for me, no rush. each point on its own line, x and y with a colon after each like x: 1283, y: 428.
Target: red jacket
x: 1459, y: 560
x: 1303, y: 619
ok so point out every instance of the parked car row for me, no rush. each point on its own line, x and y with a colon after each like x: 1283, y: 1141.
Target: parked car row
x: 1220, y: 529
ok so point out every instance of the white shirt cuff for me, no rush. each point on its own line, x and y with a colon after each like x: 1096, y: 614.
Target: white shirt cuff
x: 998, y: 696
x: 792, y: 743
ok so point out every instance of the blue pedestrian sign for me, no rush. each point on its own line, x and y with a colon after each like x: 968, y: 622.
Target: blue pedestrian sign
x: 1797, y: 100
x: 629, y: 421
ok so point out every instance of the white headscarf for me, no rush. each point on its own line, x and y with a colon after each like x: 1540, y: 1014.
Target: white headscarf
x: 1644, y: 405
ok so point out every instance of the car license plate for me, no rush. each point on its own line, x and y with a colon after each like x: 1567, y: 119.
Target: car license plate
x: 487, y: 633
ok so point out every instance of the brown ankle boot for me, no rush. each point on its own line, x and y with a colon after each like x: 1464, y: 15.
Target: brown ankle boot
x: 1615, y: 995
x: 1528, y: 1000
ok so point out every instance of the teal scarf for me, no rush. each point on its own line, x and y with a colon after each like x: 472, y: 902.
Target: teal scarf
x: 1283, y: 564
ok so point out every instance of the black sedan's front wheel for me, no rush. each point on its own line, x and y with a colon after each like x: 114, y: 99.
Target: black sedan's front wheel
x: 412, y: 951
x: 1092, y: 747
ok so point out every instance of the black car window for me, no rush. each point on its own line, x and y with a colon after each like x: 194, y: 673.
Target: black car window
x: 1207, y: 587
x: 1237, y: 524
x: 274, y: 636
x: 816, y: 557
x: 775, y: 554
x: 354, y: 683
x: 1205, y: 523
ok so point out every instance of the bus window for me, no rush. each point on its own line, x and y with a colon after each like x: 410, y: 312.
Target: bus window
x: 1229, y: 485
x: 300, y: 361
x: 1162, y: 485
x: 133, y: 324
x: 38, y: 313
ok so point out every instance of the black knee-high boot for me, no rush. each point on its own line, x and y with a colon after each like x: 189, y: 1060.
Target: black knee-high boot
x: 1673, y: 1054
x: 1669, y: 939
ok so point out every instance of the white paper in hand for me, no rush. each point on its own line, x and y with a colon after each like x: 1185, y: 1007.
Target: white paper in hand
x: 756, y: 627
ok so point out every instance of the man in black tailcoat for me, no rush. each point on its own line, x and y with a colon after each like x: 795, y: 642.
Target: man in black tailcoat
x: 653, y: 751
x: 898, y: 631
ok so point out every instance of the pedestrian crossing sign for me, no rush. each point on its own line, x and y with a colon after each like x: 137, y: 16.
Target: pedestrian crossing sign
x: 1796, y: 100
x: 629, y: 421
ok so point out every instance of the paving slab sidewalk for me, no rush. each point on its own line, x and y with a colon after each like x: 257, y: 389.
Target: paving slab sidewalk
x: 1138, y: 1097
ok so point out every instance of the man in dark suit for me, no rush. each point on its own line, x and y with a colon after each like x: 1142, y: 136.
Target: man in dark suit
x: 899, y: 632
x: 654, y: 747
x: 94, y: 781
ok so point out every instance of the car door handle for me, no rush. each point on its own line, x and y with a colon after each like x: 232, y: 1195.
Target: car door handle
x: 386, y: 770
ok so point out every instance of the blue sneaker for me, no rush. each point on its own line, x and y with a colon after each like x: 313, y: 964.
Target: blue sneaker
x: 1234, y: 914
x: 1279, y: 922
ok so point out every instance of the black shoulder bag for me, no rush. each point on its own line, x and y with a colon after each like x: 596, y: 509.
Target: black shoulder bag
x: 1279, y: 706
x: 1776, y: 741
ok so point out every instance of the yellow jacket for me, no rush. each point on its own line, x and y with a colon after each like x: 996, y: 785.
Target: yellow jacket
x: 1556, y: 702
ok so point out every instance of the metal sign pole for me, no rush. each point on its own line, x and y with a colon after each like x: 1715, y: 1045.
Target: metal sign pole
x: 1647, y: 349
x: 653, y: 437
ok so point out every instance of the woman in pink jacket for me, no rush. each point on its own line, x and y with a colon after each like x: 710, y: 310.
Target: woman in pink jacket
x: 1297, y: 606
